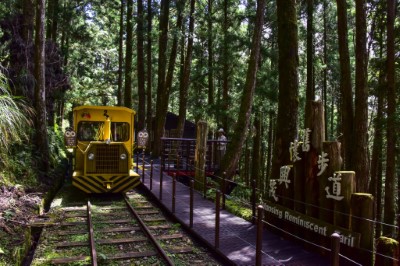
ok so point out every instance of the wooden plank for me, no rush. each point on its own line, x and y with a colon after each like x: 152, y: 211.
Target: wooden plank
x: 69, y: 260
x: 111, y: 208
x: 161, y: 219
x: 73, y: 223
x: 163, y: 226
x: 116, y: 214
x: 165, y: 237
x: 75, y: 215
x: 144, y: 207
x: 42, y: 223
x: 72, y: 244
x: 66, y: 233
x: 148, y: 212
x: 115, y: 221
x: 130, y: 255
x: 73, y: 208
x: 115, y: 230
x: 179, y: 250
x: 120, y: 241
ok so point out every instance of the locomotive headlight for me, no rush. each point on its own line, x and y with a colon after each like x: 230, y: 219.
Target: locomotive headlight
x: 91, y: 156
x: 122, y: 156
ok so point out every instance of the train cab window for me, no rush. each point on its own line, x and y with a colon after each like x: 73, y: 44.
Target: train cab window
x: 93, y: 131
x: 119, y: 131
x: 89, y: 130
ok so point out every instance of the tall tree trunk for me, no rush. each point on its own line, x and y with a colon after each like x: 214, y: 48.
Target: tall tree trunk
x: 149, y: 117
x: 161, y: 88
x: 286, y: 130
x: 128, y: 55
x: 65, y: 34
x: 345, y: 84
x: 225, y: 69
x: 184, y: 86
x: 361, y: 164
x: 28, y: 14
x: 389, y: 212
x: 375, y: 186
x: 376, y: 160
x: 52, y: 20
x: 256, y: 156
x: 120, y: 54
x: 270, y: 144
x: 140, y: 67
x: 171, y: 64
x: 50, y: 9
x: 54, y: 23
x: 210, y: 54
x: 310, y: 91
x: 40, y: 89
x: 232, y: 156
x: 325, y: 71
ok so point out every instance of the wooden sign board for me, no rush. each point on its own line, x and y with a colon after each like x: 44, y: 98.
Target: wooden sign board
x: 347, y: 237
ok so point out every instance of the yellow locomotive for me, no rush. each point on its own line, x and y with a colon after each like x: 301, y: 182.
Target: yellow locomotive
x: 102, y: 140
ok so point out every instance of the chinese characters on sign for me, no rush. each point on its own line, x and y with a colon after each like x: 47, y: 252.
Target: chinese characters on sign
x: 337, y: 188
x: 284, y: 178
x: 293, y: 150
x: 272, y: 189
x: 322, y: 163
x: 306, y: 140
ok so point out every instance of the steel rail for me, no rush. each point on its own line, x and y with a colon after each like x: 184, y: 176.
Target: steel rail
x: 93, y: 252
x: 147, y: 231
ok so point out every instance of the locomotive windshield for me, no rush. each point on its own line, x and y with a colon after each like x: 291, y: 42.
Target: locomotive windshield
x: 93, y: 131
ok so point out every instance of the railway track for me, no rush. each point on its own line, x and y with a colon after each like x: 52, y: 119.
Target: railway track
x: 127, y: 230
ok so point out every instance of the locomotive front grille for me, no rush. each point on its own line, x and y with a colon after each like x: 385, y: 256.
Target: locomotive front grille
x: 107, y: 159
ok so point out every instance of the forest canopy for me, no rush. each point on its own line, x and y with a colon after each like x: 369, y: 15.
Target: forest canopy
x: 249, y: 67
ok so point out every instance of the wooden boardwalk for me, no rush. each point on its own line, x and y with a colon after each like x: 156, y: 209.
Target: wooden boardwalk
x: 237, y: 236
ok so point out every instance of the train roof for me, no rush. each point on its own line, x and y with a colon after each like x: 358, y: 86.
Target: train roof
x: 102, y: 107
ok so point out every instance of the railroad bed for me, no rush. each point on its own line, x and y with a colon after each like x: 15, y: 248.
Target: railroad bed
x: 113, y: 230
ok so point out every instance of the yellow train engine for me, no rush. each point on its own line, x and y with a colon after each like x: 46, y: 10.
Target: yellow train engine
x: 102, y: 141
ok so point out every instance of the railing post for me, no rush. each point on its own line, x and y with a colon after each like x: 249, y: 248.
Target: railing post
x: 253, y: 200
x: 137, y: 162
x: 161, y: 181
x: 169, y: 154
x: 398, y: 234
x: 260, y: 211
x: 177, y: 163
x: 205, y: 186
x: 191, y: 202
x: 151, y: 174
x: 143, y: 165
x: 173, y: 193
x: 217, y: 215
x: 223, y: 189
x: 335, y: 248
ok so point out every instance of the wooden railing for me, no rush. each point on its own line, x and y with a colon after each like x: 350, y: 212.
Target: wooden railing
x: 178, y: 154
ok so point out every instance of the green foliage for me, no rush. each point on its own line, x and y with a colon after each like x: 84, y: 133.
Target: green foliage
x: 18, y: 167
x: 13, y: 121
x: 56, y: 145
x: 18, y: 164
x: 237, y: 202
x: 15, y: 156
x: 92, y: 54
